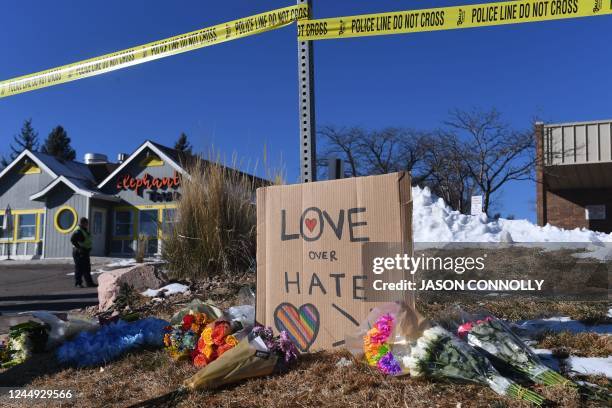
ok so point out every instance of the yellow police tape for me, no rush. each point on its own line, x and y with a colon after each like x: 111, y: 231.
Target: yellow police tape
x: 448, y: 18
x: 204, y: 37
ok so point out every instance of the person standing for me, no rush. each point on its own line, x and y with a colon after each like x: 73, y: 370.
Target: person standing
x: 81, y: 241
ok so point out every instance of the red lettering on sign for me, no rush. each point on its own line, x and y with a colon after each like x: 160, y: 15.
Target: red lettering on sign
x: 127, y: 182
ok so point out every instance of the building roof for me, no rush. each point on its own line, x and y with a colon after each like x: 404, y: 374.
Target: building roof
x: 88, y: 180
x: 78, y: 185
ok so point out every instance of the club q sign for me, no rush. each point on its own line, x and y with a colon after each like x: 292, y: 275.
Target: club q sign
x: 157, y: 186
x: 310, y: 238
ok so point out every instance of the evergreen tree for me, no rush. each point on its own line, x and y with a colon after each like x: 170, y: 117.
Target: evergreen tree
x: 182, y: 144
x: 58, y: 144
x: 26, y: 139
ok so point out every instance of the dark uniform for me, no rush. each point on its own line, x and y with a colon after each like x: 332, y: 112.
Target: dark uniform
x: 81, y: 240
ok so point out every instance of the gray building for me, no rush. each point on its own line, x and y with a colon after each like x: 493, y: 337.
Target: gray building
x: 42, y: 199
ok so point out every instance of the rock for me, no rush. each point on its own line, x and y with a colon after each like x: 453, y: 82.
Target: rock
x: 140, y: 277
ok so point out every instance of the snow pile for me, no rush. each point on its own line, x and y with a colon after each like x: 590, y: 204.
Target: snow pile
x: 591, y: 365
x: 557, y: 324
x: 167, y: 290
x: 434, y: 221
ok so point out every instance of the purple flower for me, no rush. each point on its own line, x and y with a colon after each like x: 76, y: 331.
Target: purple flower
x: 388, y: 365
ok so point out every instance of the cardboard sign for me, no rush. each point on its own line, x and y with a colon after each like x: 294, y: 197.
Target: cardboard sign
x: 310, y: 279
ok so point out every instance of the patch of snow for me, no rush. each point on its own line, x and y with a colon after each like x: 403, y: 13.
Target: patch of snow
x: 591, y: 365
x: 121, y: 263
x: 434, y: 221
x: 560, y: 324
x: 609, y: 312
x: 167, y: 290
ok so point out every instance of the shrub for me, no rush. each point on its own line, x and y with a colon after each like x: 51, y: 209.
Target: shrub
x: 216, y: 221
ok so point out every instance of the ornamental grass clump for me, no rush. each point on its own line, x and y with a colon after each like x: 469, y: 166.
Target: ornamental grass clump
x: 215, y: 222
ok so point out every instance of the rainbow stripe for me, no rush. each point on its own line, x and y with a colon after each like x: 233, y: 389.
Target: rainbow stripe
x: 301, y: 324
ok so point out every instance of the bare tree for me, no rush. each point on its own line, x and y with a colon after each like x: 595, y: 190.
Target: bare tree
x: 343, y: 143
x: 493, y: 152
x: 446, y: 174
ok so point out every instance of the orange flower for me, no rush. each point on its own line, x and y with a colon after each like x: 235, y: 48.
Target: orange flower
x: 223, y: 348
x: 167, y: 341
x: 201, y: 344
x: 231, y: 340
x: 200, y: 361
x: 220, y: 331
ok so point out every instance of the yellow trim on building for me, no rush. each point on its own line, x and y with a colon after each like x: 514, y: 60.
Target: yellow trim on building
x: 151, y: 161
x: 56, y: 219
x: 135, y: 209
x: 16, y: 214
x: 30, y: 168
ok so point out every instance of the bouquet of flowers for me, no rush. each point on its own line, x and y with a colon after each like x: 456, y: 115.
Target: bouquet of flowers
x: 440, y: 354
x: 280, y: 345
x: 499, y: 343
x: 383, y: 339
x: 24, y: 339
x: 377, y: 349
x: 258, y: 354
x: 181, y: 340
x: 215, y: 339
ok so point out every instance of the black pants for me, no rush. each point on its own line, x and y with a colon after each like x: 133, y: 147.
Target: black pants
x: 82, y: 267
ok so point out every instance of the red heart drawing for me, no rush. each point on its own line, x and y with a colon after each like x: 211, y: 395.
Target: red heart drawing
x: 311, y: 223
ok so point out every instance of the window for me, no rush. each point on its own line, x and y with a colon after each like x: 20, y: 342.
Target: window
x: 65, y: 219
x: 26, y: 226
x: 5, y: 230
x: 148, y: 222
x: 169, y: 217
x: 123, y: 224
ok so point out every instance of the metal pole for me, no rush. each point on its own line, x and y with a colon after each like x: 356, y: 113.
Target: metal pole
x: 308, y: 153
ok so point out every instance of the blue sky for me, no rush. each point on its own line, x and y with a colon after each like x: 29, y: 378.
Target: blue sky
x: 241, y: 97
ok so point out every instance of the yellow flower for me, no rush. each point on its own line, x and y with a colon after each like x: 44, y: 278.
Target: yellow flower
x: 231, y: 340
x: 208, y: 351
x: 207, y: 335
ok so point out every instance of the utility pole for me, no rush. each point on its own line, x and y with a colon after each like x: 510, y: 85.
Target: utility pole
x: 308, y: 136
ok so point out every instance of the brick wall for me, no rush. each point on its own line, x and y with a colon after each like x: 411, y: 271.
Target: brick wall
x: 566, y: 208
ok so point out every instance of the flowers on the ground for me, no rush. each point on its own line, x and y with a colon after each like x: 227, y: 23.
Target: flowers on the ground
x: 496, y: 339
x: 23, y: 340
x: 440, y: 354
x: 377, y: 350
x: 281, y: 345
x: 182, y: 340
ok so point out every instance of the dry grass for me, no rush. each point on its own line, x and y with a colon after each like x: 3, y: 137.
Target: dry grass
x: 148, y: 378
x: 580, y: 344
x: 215, y: 229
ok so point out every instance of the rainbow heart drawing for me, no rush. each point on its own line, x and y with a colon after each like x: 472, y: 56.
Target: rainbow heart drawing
x: 301, y: 324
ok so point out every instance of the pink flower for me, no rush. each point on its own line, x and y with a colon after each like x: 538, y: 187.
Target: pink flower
x: 464, y: 329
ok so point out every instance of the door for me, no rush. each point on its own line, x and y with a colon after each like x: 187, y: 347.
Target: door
x: 98, y: 231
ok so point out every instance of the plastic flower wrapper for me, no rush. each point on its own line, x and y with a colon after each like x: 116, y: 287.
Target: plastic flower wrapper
x: 111, y: 341
x: 384, y: 338
x: 494, y: 338
x: 193, y: 307
x: 440, y: 354
x: 256, y: 355
x: 23, y: 340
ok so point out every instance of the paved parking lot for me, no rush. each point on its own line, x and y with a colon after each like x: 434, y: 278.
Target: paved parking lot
x: 40, y: 285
